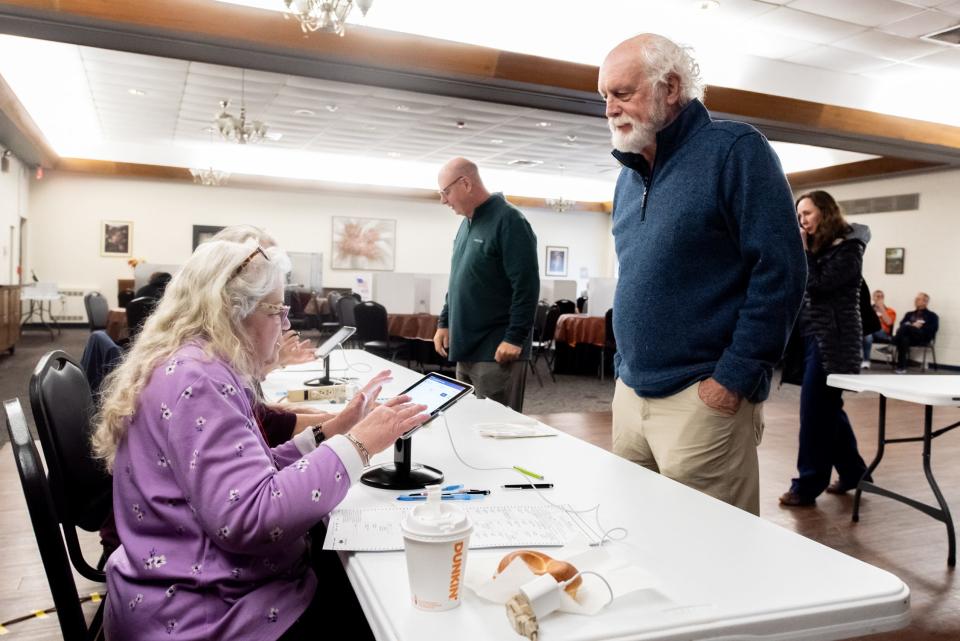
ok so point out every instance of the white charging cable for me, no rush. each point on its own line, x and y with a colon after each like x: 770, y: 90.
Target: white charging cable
x: 601, y: 535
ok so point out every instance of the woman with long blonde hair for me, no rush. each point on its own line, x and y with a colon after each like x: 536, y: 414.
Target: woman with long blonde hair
x: 212, y: 521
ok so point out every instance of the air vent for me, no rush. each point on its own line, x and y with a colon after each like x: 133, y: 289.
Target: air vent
x: 881, y: 204
x: 524, y: 163
x: 951, y: 35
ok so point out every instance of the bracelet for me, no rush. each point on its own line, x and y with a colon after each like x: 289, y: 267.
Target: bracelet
x: 364, y: 454
x: 318, y: 435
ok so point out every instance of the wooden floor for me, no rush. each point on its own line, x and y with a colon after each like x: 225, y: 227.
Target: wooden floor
x: 890, y: 535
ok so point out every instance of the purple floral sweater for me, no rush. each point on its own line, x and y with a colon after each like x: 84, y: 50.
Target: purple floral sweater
x: 212, y: 521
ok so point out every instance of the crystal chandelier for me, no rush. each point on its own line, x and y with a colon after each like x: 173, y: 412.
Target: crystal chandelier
x: 560, y: 205
x: 210, y: 177
x: 329, y: 16
x: 238, y: 128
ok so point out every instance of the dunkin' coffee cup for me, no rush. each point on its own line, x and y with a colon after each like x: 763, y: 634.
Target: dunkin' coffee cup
x: 436, y: 536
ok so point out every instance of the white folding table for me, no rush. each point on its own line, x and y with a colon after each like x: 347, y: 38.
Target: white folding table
x: 720, y: 573
x: 927, y: 390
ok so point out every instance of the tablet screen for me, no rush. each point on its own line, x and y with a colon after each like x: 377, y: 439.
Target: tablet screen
x: 437, y: 392
x: 331, y: 343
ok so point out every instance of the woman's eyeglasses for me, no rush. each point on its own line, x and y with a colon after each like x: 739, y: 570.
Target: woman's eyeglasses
x: 246, y: 261
x: 275, y: 309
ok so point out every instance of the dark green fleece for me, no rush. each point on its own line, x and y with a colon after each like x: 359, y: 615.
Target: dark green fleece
x: 494, y: 283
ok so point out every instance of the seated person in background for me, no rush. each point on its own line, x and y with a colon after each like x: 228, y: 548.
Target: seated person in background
x: 887, y: 317
x: 154, y: 288
x: 918, y: 327
x: 212, y: 521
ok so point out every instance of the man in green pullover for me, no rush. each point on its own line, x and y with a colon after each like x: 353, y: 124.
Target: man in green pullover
x: 494, y: 285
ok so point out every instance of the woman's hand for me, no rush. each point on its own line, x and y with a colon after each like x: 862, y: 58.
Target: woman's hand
x: 386, y: 424
x: 293, y: 351
x: 361, y: 405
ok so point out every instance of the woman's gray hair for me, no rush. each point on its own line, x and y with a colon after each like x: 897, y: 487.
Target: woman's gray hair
x: 661, y: 57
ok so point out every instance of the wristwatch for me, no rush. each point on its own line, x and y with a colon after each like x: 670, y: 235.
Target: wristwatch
x: 318, y: 434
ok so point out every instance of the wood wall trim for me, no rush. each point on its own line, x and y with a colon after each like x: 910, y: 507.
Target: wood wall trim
x: 862, y: 170
x: 215, y: 22
x: 162, y: 172
x: 12, y: 108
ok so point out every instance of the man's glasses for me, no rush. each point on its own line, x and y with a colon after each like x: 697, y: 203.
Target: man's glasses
x: 444, y: 192
x: 246, y: 261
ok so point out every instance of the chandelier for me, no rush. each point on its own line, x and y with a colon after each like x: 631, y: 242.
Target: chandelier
x: 560, y: 205
x: 238, y: 128
x: 329, y: 16
x: 210, y: 177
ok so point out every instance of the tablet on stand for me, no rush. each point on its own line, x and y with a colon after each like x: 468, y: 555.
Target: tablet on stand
x: 324, y: 352
x: 437, y: 392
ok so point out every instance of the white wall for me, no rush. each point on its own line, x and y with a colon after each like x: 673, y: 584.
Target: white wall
x: 14, y: 203
x: 66, y: 210
x: 931, y: 237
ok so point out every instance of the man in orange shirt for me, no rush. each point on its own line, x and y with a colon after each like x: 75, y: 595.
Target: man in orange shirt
x: 887, y: 317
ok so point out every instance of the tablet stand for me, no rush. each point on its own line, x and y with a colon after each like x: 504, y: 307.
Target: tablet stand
x: 402, y: 474
x: 325, y: 379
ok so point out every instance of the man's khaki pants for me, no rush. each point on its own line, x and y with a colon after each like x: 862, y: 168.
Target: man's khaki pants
x: 682, y: 438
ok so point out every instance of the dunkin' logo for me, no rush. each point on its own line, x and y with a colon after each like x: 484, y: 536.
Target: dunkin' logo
x: 455, y: 570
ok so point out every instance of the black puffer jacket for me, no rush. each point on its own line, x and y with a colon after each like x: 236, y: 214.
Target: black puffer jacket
x: 831, y: 303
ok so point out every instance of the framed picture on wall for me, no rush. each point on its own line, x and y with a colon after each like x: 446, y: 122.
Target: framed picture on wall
x: 116, y: 238
x: 556, y: 263
x: 364, y: 243
x: 203, y: 233
x: 894, y: 260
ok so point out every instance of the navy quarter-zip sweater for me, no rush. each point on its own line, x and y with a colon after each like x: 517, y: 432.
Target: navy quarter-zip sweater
x: 712, y: 268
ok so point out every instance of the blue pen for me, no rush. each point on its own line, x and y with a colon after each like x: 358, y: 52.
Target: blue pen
x: 446, y: 490
x: 444, y: 497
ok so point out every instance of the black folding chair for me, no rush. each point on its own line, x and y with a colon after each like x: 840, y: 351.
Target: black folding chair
x: 44, y: 516
x: 609, y: 344
x: 82, y: 490
x: 373, y: 331
x: 97, y: 309
x: 566, y: 306
x: 137, y: 312
x: 545, y: 346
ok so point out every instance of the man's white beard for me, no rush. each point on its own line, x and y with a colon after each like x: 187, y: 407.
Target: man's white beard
x: 641, y: 134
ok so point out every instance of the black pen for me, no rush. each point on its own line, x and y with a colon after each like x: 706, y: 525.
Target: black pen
x: 454, y: 492
x: 528, y: 486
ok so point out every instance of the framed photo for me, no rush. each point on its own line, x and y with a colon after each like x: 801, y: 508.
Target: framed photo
x: 556, y: 263
x: 364, y: 243
x: 203, y: 233
x: 894, y: 260
x: 116, y: 238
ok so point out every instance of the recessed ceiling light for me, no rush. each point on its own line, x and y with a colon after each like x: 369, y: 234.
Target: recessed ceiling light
x: 496, y: 141
x: 136, y: 92
x: 273, y: 135
x: 571, y: 138
x: 707, y: 5
x: 543, y: 123
x: 209, y: 130
x: 305, y: 112
x: 520, y: 162
x: 393, y: 154
x: 461, y: 124
x: 331, y: 108
x: 403, y: 108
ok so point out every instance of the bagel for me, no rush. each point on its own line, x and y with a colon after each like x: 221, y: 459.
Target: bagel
x: 540, y: 563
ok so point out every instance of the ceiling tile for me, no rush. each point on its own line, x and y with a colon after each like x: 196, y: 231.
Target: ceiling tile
x: 771, y: 45
x: 870, y: 13
x: 884, y: 45
x: 947, y: 60
x: 950, y: 7
x: 839, y: 60
x: 921, y: 24
x: 805, y: 26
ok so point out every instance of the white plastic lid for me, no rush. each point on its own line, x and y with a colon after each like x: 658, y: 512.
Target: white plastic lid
x: 435, y: 520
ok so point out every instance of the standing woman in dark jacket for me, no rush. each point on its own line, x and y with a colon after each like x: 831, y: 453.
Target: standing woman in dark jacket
x: 832, y: 334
